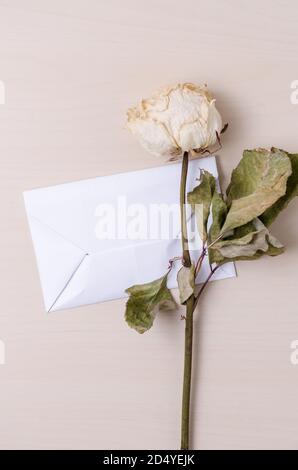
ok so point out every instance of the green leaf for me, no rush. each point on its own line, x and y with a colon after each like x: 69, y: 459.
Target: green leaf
x: 219, y: 213
x: 200, y: 199
x: 240, y: 232
x: 144, y: 302
x: 259, y: 180
x: 292, y: 191
x: 251, y: 245
x: 186, y: 282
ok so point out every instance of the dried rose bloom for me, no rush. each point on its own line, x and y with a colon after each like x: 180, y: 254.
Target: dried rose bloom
x: 177, y: 119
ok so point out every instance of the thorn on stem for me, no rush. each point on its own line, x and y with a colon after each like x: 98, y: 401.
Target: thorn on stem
x: 224, y: 128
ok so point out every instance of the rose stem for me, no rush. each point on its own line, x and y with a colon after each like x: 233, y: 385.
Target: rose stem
x: 186, y: 257
x: 189, y: 315
x: 190, y: 307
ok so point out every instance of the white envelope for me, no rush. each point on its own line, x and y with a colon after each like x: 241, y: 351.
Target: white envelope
x: 78, y: 268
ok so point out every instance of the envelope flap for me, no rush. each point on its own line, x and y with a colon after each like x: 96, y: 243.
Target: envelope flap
x: 100, y: 277
x: 57, y: 259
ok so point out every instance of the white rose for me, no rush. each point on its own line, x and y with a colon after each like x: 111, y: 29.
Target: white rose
x: 178, y: 119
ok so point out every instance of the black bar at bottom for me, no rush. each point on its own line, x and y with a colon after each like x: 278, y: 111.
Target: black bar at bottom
x: 144, y: 458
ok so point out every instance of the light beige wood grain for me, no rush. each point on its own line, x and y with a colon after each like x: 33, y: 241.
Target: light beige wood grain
x: 81, y: 378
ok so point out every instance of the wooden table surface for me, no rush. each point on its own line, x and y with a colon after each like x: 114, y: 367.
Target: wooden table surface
x: 81, y: 378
